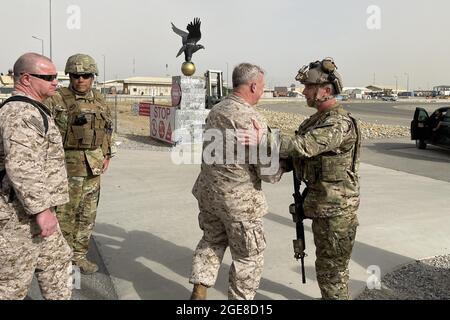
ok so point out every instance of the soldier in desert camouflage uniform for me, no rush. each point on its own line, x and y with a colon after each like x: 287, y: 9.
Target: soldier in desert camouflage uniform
x: 84, y: 120
x: 325, y: 154
x: 33, y: 182
x: 230, y: 197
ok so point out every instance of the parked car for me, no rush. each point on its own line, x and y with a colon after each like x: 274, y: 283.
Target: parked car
x: 390, y: 98
x: 294, y: 94
x: 434, y: 129
x: 342, y: 97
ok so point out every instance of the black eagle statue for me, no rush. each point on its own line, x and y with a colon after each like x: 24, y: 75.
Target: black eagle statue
x: 190, y: 39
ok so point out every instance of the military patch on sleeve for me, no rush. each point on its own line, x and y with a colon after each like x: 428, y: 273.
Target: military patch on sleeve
x: 34, y: 122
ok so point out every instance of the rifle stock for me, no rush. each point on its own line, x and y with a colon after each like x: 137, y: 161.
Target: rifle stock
x: 296, y: 209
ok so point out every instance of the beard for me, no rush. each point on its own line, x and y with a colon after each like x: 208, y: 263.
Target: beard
x: 311, y: 103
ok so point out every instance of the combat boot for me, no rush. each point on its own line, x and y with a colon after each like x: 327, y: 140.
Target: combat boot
x: 86, y: 266
x: 199, y: 292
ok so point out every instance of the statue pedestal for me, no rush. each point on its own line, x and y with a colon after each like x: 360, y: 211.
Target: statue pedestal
x: 188, y: 96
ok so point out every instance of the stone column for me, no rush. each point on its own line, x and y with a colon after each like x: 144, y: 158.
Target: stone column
x: 188, y: 96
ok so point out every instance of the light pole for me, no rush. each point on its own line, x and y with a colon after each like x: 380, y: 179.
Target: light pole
x: 42, y: 43
x: 228, y: 84
x: 407, y: 81
x: 396, y: 84
x: 50, y: 16
x: 104, y: 74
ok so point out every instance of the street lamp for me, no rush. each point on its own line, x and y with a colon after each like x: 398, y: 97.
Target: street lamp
x: 50, y: 23
x: 396, y: 84
x: 407, y: 81
x: 228, y: 84
x: 42, y: 43
x: 104, y: 74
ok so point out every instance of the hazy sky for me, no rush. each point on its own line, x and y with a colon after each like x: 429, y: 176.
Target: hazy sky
x: 279, y: 35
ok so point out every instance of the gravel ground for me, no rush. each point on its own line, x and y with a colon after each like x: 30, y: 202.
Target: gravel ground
x: 427, y: 279
x: 286, y: 122
x: 138, y: 142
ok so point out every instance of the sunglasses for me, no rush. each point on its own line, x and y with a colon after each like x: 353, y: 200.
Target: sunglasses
x: 45, y: 77
x: 84, y: 76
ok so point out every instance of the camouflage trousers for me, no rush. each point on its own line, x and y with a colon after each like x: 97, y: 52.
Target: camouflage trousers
x: 77, y: 217
x: 247, y: 243
x: 23, y: 252
x: 334, y: 239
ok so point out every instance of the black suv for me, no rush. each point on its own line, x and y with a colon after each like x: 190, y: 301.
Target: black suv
x: 431, y: 129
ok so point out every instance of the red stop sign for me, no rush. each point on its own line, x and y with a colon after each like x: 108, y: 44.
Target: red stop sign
x: 176, y: 94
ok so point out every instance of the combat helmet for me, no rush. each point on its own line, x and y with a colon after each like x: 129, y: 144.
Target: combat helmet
x: 81, y: 64
x: 321, y: 72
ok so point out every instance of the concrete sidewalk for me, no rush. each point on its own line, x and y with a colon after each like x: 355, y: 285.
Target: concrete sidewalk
x: 147, y: 229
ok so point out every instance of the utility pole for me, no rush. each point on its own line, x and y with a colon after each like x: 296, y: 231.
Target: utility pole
x: 104, y: 74
x: 42, y: 44
x: 50, y: 15
x: 407, y: 81
x: 228, y: 84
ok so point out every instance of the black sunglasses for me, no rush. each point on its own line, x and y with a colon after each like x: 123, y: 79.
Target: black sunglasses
x: 45, y: 77
x: 84, y: 76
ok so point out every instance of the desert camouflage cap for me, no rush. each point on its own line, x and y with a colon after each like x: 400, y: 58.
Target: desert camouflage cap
x: 321, y: 72
x: 80, y: 64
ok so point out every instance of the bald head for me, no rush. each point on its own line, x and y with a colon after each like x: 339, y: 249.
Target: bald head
x: 35, y: 76
x: 30, y: 63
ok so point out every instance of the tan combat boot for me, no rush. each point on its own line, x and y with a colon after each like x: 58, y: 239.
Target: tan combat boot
x: 199, y: 292
x: 86, y: 266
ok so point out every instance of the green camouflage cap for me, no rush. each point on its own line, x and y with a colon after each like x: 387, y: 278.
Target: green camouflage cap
x: 81, y: 64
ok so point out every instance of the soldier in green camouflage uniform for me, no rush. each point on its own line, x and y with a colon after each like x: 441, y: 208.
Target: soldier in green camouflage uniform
x: 33, y: 181
x: 230, y: 197
x: 325, y: 154
x: 84, y: 120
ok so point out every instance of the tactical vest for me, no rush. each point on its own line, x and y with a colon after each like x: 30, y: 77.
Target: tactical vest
x: 87, y: 122
x: 332, y: 179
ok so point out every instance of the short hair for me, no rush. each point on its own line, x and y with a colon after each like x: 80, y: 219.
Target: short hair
x: 331, y: 86
x: 244, y: 73
x: 28, y: 63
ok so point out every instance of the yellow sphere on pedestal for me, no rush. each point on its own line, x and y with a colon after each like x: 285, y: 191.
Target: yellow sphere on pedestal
x: 188, y: 68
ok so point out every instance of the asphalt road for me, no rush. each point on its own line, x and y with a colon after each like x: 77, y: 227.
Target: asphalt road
x: 392, y: 113
x: 401, y: 154
x: 398, y: 154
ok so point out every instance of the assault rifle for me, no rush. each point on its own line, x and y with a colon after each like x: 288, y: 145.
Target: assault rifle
x: 296, y: 209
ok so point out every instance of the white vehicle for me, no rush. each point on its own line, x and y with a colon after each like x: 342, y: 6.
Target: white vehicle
x: 392, y: 97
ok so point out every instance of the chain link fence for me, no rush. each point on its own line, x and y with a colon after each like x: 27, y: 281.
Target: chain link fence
x: 125, y: 113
